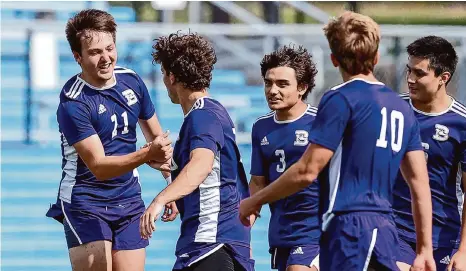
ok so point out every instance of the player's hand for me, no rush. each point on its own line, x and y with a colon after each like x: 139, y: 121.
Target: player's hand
x: 162, y: 166
x: 170, y: 213
x: 424, y: 262
x: 147, y: 220
x: 160, y: 150
x: 247, y: 208
x: 458, y: 261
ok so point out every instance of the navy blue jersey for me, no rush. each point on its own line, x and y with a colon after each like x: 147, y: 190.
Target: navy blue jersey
x: 111, y: 113
x: 370, y: 129
x: 443, y: 137
x: 276, y: 145
x: 210, y: 213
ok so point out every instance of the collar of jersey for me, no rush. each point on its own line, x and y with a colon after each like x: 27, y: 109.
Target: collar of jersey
x: 199, y: 103
x: 433, y: 114
x: 289, y: 121
x: 358, y: 79
x: 96, y: 88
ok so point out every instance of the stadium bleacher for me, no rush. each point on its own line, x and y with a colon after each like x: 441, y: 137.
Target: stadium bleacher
x: 31, y: 173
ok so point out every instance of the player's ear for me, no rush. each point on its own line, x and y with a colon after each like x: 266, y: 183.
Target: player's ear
x: 172, y: 78
x: 444, y: 77
x: 302, y: 88
x: 77, y: 57
x: 376, y: 59
x: 334, y: 61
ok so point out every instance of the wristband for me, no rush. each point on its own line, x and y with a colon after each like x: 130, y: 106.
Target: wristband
x: 169, y: 179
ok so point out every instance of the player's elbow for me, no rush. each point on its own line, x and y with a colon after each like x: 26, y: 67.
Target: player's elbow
x: 99, y: 172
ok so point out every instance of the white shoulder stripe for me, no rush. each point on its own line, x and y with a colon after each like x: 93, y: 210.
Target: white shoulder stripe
x: 312, y: 114
x: 79, y: 91
x: 76, y: 89
x: 459, y: 105
x: 461, y: 113
x: 123, y: 70
x: 266, y: 116
x: 71, y: 88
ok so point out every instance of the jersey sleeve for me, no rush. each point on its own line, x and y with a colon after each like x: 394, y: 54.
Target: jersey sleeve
x: 74, y: 120
x: 147, y: 107
x: 257, y: 164
x: 331, y: 120
x: 206, y: 131
x: 415, y: 143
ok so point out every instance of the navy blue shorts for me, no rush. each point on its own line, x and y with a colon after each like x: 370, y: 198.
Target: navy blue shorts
x: 442, y: 255
x: 356, y: 241
x: 118, y: 224
x: 190, y: 256
x: 298, y: 255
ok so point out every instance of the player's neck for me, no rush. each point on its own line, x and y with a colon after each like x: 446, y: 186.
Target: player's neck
x: 367, y: 77
x: 291, y: 113
x: 440, y: 103
x: 189, y: 97
x: 96, y: 83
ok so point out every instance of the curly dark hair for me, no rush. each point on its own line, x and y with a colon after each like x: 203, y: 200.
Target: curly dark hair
x: 298, y: 59
x: 189, y: 57
x: 85, y: 21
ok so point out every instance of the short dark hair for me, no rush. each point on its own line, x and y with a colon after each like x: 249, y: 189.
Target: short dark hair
x: 298, y: 59
x: 85, y: 21
x: 189, y: 57
x: 440, y: 53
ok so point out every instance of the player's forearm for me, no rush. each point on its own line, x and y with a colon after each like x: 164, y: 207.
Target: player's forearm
x: 109, y: 167
x: 422, y: 213
x: 189, y: 179
x: 297, y: 177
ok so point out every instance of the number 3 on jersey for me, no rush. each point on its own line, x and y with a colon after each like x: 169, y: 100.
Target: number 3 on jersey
x: 281, y: 153
x: 396, y: 130
x: 115, y: 126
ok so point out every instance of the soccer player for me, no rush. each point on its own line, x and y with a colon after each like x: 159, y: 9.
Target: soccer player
x: 363, y: 131
x: 279, y: 139
x: 432, y: 62
x: 99, y: 200
x: 208, y: 177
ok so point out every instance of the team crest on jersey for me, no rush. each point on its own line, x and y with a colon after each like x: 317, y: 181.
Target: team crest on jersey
x: 441, y: 132
x: 130, y: 96
x: 301, y: 138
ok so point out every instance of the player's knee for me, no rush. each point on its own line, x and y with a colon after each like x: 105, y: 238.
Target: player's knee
x: 93, y: 256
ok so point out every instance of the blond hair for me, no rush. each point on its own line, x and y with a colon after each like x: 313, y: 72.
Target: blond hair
x: 354, y: 41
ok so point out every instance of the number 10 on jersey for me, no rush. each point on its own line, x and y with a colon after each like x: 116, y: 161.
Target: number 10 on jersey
x: 396, y: 130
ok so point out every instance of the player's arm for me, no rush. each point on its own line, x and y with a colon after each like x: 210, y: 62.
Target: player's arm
x: 462, y: 246
x: 325, y: 137
x: 148, y: 121
x: 414, y: 170
x: 190, y: 178
x: 256, y: 184
x: 106, y: 167
x: 299, y: 176
x: 458, y: 260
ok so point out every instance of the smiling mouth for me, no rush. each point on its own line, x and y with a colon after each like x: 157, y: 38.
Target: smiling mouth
x: 105, y: 66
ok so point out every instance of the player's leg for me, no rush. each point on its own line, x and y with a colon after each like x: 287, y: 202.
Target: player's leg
x: 88, y: 238
x: 303, y: 258
x: 128, y: 251
x: 129, y: 260
x: 406, y: 254
x: 93, y: 256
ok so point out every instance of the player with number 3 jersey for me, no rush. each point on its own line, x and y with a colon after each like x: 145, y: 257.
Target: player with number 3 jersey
x: 279, y: 139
